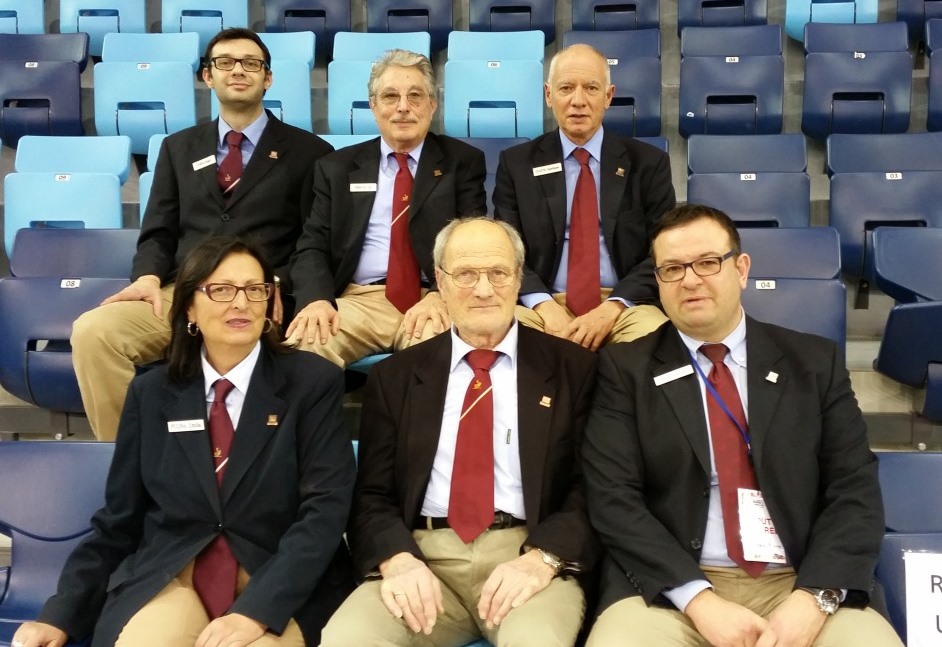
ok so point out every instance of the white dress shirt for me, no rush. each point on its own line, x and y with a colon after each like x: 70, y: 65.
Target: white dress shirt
x: 240, y: 376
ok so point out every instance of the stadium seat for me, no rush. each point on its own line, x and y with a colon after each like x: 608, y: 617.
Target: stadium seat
x: 152, y: 48
x: 495, y: 46
x: 348, y: 105
x: 39, y: 98
x: 916, y: 14
x: 291, y: 46
x: 799, y: 13
x: 492, y: 147
x: 514, y: 15
x: 360, y: 46
x: 911, y: 351
x: 392, y: 16
x: 657, y: 142
x: 99, y: 17
x: 142, y: 99
x: 50, y: 154
x: 53, y: 489
x: 858, y: 79
x: 907, y: 263
x: 732, y: 80
x: 205, y: 17
x: 728, y: 13
x: 322, y: 17
x: 146, y: 179
x: 615, y: 15
x: 792, y: 252
x: 22, y: 17
x: 45, y: 47
x: 288, y: 98
x: 933, y: 32
x: 763, y: 153
x: 75, y: 253
x: 342, y: 141
x: 934, y: 36
x: 884, y: 153
x: 634, y: 60
x: 891, y: 570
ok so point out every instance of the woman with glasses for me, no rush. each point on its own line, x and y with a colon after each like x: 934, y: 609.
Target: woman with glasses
x: 230, y: 486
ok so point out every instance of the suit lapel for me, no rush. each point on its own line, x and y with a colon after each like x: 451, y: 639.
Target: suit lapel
x: 614, y: 175
x: 428, y: 174
x: 534, y: 386
x: 365, y: 170
x: 189, y: 403
x: 203, y: 146
x: 766, y: 384
x: 269, y: 151
x: 550, y: 151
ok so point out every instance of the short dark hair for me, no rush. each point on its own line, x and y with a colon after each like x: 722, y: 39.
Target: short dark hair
x: 183, y: 353
x: 684, y: 215
x: 236, y: 33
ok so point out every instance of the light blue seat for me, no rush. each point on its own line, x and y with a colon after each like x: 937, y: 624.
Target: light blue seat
x: 798, y: 13
x: 99, y: 17
x: 367, y: 46
x: 50, y: 154
x: 514, y: 15
x: 142, y: 99
x: 322, y: 17
x: 22, y: 17
x: 152, y: 48
x: 205, y: 17
x: 490, y: 98
x: 342, y: 141
x: 146, y: 179
x: 847, y: 153
x: 495, y: 46
x: 290, y: 46
x: 432, y: 16
x: 348, y: 105
x: 730, y: 13
x: 289, y: 97
x: 615, y: 15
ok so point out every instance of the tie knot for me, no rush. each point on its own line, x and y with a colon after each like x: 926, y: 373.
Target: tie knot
x: 716, y: 353
x: 481, y: 359
x: 581, y: 155
x: 403, y: 160
x: 234, y: 138
x: 221, y: 389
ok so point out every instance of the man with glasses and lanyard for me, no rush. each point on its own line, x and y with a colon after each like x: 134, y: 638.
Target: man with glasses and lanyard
x: 362, y: 269
x: 727, y: 469
x: 244, y: 174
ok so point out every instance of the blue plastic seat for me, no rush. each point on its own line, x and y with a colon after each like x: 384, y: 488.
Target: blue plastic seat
x: 933, y: 32
x: 50, y: 154
x: 934, y: 36
x: 205, y: 17
x: 786, y: 153
x: 634, y: 60
x: 858, y: 79
x: 911, y: 351
x: 146, y: 180
x: 495, y: 46
x: 815, y: 306
x: 342, y: 141
x: 41, y: 98
x: 361, y: 46
x: 916, y: 14
x: 45, y: 47
x: 291, y: 46
x: 348, y: 104
x: 891, y: 570
x: 142, y: 99
x: 288, y: 97
x: 492, y: 147
x: 152, y: 48
x: 793, y: 252
x: 657, y: 142
x: 22, y: 17
x: 732, y: 80
x: 799, y: 13
x: 884, y: 153
x: 392, y: 16
x: 99, y: 17
x: 514, y: 15
x: 74, y: 253
x: 907, y: 263
x: 615, y: 15
x: 322, y: 17
x: 728, y: 13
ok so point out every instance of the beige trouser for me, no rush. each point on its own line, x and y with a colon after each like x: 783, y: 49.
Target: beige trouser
x: 631, y: 623
x: 369, y: 324
x: 175, y: 617
x: 551, y: 618
x: 107, y: 343
x: 632, y: 323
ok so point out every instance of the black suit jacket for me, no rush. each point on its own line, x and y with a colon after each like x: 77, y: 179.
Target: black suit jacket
x: 449, y: 182
x: 647, y: 463
x: 636, y: 189
x: 283, y: 503
x: 401, y: 423
x: 268, y: 205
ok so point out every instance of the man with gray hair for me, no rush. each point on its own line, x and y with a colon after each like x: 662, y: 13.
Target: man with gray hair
x: 469, y: 518
x: 362, y: 268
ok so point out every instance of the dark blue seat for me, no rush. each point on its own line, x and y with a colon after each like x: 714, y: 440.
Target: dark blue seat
x: 907, y: 263
x: 797, y: 253
x: 813, y: 306
x: 39, y: 99
x: 615, y: 15
x: 891, y: 570
x: 45, y: 47
x: 727, y: 13
x: 323, y: 17
x: 74, y: 253
x: 492, y: 147
x: 432, y: 16
x: 514, y: 15
x: 759, y: 154
x: 934, y: 38
x: 916, y: 14
x: 884, y: 153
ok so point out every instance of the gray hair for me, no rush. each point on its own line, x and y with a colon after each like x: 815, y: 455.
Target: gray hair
x: 552, y: 65
x: 402, y: 58
x: 444, y: 237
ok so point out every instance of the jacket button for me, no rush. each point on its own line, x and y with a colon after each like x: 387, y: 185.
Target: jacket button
x: 706, y: 493
x: 225, y: 217
x: 219, y: 527
x: 696, y: 544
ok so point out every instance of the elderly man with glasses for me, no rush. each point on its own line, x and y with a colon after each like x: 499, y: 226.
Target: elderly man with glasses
x: 362, y: 271
x: 244, y: 174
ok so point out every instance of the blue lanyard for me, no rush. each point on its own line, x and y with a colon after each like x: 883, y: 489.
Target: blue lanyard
x: 716, y: 396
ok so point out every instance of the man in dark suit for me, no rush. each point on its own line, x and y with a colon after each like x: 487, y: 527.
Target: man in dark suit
x: 727, y: 469
x: 363, y: 266
x: 436, y: 578
x: 190, y: 201
x: 585, y: 224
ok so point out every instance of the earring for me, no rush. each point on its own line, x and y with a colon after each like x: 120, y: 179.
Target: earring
x: 268, y: 325
x: 192, y: 329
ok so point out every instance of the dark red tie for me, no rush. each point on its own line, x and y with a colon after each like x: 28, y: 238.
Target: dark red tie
x: 729, y: 452
x: 216, y: 568
x: 583, y: 290
x: 402, y: 273
x: 471, y: 504
x: 230, y: 169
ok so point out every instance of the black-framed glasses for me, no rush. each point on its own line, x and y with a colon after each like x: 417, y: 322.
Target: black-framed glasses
x: 468, y: 277
x: 226, y: 292
x: 226, y: 63
x: 388, y: 98
x: 707, y: 266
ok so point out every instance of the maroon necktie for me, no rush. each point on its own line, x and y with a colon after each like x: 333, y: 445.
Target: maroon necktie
x: 402, y: 273
x: 583, y: 291
x: 216, y: 568
x: 729, y: 452
x: 230, y: 169
x: 471, y: 504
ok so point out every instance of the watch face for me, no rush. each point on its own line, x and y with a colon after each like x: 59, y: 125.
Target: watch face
x: 828, y: 600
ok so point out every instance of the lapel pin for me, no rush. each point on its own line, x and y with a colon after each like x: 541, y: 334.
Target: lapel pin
x: 545, y: 401
x: 273, y: 155
x: 620, y: 172
x: 772, y: 377
x: 437, y: 173
x: 272, y: 420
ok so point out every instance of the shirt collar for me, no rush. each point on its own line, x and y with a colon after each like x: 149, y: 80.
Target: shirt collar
x: 240, y: 375
x: 387, y: 150
x: 735, y: 341
x: 507, y: 347
x: 252, y: 132
x: 594, y: 145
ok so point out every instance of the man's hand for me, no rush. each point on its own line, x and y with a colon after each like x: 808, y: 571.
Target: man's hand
x: 411, y: 591
x: 797, y: 621
x: 430, y: 310
x: 511, y: 584
x: 232, y: 630
x: 39, y: 634
x: 555, y: 318
x: 591, y: 329
x: 726, y: 624
x: 146, y: 288
x: 317, y: 320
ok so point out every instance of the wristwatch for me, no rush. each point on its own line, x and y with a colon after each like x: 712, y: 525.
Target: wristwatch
x: 828, y: 599
x: 551, y: 560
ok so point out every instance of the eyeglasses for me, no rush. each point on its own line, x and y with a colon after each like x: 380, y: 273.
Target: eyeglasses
x: 707, y: 266
x: 468, y: 277
x: 226, y: 63
x: 389, y: 99
x: 226, y: 292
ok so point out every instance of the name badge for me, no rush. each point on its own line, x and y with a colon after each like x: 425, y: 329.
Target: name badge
x: 760, y: 542
x: 546, y: 170
x: 670, y: 376
x: 176, y: 426
x: 203, y: 163
x: 363, y: 187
